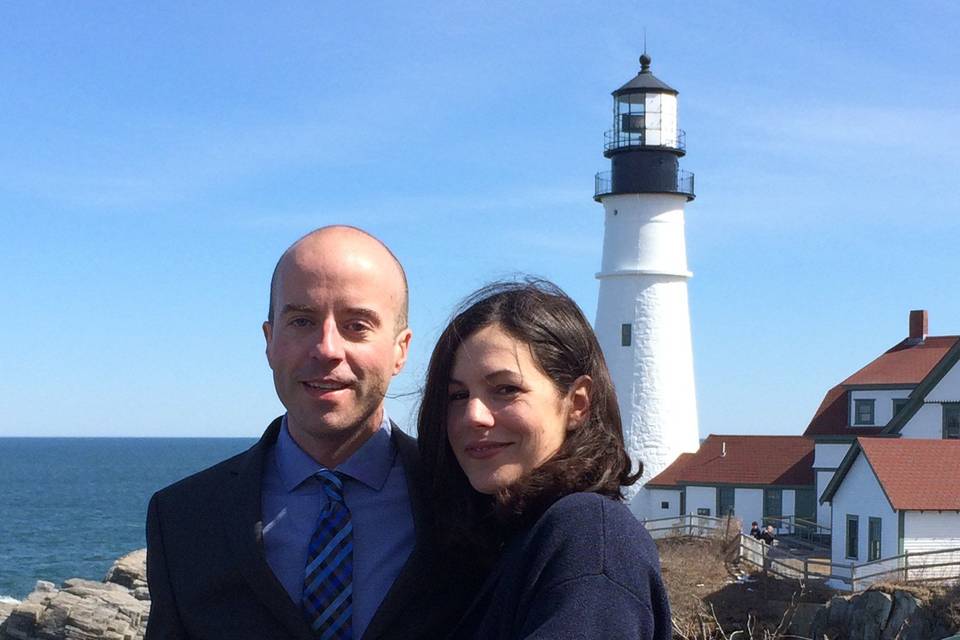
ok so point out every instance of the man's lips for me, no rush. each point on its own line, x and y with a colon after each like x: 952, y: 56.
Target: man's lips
x: 483, y: 450
x: 323, y: 387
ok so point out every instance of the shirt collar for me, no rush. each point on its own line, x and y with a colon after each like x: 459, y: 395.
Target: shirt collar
x: 370, y: 464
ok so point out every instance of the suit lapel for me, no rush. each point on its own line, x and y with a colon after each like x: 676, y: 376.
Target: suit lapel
x: 242, y: 518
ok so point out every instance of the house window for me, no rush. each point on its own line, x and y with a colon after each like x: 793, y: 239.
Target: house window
x: 853, y: 536
x: 863, y: 411
x: 703, y: 511
x: 683, y: 502
x: 773, y: 506
x: 898, y: 405
x: 951, y: 421
x: 626, y: 334
x: 806, y: 505
x: 873, y: 538
x: 664, y: 505
x: 725, y: 501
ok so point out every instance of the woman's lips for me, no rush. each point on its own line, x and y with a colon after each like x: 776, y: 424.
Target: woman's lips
x: 484, y: 450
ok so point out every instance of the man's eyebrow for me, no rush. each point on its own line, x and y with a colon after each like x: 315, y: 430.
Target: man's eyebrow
x: 367, y: 314
x: 297, y: 308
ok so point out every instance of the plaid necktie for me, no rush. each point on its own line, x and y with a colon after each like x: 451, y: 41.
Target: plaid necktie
x: 328, y: 578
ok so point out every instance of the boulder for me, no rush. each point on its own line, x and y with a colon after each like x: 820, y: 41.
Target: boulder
x: 874, y: 614
x: 115, y: 609
x: 868, y: 615
x: 905, y: 607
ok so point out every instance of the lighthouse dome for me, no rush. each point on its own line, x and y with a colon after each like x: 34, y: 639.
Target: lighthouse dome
x: 645, y: 82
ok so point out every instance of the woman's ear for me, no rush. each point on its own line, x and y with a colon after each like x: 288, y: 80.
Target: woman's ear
x: 578, y: 402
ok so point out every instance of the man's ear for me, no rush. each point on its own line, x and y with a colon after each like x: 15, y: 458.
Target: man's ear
x: 579, y: 399
x: 402, y: 349
x: 267, y: 335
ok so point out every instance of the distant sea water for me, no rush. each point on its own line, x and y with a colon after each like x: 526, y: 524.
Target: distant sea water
x: 69, y: 507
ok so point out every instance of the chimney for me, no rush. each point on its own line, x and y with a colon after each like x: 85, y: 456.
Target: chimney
x: 723, y: 449
x: 918, y: 326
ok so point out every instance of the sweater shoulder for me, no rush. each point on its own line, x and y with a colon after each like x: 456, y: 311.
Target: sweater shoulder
x: 593, y: 534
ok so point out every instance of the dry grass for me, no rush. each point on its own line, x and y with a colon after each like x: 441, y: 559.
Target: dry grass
x: 708, y: 601
x: 712, y: 600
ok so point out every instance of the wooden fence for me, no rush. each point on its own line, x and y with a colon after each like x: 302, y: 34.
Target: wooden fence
x: 942, y: 565
x: 687, y: 525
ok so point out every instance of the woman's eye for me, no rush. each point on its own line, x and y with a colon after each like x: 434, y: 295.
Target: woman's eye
x: 457, y: 395
x: 508, y: 390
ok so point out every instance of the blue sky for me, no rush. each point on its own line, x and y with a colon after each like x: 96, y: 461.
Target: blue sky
x: 158, y: 157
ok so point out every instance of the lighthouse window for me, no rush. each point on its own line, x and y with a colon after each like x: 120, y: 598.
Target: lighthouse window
x: 631, y: 123
x: 626, y: 333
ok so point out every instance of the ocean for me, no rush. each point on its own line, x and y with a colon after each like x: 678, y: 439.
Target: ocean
x: 69, y: 507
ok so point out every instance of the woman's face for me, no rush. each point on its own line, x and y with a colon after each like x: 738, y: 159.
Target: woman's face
x: 505, y: 416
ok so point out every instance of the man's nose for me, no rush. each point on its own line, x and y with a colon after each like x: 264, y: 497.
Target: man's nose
x: 329, y: 344
x: 478, y: 414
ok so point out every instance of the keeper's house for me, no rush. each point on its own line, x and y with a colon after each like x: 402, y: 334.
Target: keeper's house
x: 752, y: 477
x: 910, y: 391
x: 892, y: 496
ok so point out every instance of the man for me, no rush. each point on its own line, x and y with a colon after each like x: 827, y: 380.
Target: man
x: 321, y: 529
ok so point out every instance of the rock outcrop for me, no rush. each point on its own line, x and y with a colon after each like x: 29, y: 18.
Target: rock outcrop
x: 115, y: 609
x: 889, y: 614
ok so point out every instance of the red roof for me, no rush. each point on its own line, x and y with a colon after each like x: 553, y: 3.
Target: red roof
x: 749, y: 460
x: 918, y: 475
x: 904, y: 364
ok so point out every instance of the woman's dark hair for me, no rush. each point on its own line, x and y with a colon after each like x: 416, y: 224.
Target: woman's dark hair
x: 592, y: 457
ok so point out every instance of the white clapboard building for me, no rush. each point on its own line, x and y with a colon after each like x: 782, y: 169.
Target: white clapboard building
x: 755, y: 478
x: 888, y: 451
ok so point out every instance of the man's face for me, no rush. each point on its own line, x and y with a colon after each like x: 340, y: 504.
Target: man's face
x: 333, y: 343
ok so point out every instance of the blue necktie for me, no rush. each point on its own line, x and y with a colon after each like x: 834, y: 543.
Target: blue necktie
x: 328, y: 578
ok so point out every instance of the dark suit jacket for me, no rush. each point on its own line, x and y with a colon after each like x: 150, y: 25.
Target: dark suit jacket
x: 209, y: 577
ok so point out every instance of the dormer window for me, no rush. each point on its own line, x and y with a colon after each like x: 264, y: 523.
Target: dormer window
x: 898, y: 405
x: 863, y: 412
x: 951, y: 421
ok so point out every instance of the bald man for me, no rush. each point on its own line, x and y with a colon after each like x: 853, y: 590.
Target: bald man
x: 321, y: 529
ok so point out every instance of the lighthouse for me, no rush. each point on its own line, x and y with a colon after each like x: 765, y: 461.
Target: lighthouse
x: 643, y: 313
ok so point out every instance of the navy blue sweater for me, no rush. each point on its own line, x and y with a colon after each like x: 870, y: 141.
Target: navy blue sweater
x: 586, y: 569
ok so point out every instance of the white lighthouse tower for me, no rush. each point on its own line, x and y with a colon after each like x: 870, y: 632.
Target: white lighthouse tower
x: 643, y: 316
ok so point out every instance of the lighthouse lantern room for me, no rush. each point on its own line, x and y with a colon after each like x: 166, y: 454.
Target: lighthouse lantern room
x: 643, y: 316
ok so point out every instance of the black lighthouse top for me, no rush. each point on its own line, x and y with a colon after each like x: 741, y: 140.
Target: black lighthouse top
x: 645, y: 81
x: 645, y: 143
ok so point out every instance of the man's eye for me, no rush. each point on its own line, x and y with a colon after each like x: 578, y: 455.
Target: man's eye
x: 300, y: 322
x: 357, y: 327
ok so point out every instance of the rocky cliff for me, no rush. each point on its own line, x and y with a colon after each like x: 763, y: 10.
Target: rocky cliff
x: 115, y: 609
x: 889, y: 612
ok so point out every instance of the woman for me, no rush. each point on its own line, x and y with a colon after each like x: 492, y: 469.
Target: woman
x: 520, y: 432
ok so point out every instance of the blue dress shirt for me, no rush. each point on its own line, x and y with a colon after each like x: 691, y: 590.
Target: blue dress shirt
x: 375, y: 491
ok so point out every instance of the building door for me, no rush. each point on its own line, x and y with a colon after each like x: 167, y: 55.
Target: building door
x: 773, y: 506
